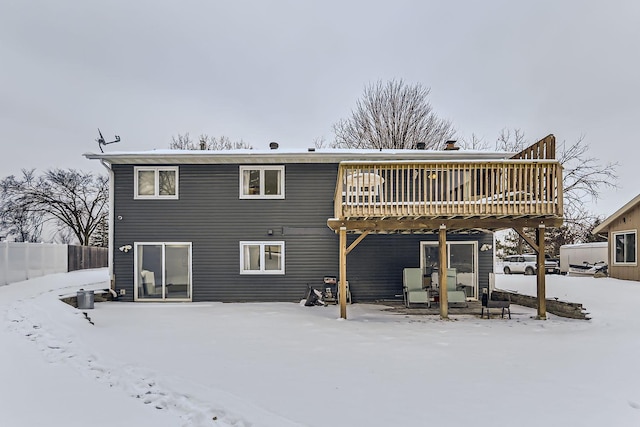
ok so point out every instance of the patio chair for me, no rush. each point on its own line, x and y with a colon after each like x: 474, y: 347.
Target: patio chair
x: 412, y: 287
x: 454, y: 294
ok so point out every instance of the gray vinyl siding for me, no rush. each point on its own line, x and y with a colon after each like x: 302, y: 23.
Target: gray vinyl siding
x: 374, y: 267
x: 210, y: 215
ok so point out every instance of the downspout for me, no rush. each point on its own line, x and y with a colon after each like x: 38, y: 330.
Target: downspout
x: 112, y: 279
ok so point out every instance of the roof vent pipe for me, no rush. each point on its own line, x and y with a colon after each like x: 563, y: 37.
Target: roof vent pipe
x: 421, y: 145
x: 273, y: 145
x: 451, y: 145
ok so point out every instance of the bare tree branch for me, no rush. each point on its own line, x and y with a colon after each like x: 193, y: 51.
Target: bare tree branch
x: 205, y: 142
x: 393, y: 115
x: 584, y: 178
x: 16, y: 219
x: 473, y: 143
x: 74, y: 200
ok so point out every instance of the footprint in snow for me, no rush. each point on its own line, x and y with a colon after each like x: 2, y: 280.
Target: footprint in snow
x: 634, y: 405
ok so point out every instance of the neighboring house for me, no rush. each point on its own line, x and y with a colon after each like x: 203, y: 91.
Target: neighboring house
x: 249, y: 225
x: 621, y: 228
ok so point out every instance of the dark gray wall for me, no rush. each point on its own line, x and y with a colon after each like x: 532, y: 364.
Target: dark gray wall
x: 210, y: 215
x: 374, y: 267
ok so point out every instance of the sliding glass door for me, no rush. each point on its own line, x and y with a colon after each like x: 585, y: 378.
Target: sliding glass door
x: 163, y: 271
x: 463, y: 256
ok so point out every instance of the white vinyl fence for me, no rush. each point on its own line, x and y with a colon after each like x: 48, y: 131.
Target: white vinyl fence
x: 22, y: 261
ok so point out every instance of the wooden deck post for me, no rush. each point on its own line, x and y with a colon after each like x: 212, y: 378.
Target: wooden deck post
x: 442, y: 272
x: 343, y: 273
x: 541, y: 288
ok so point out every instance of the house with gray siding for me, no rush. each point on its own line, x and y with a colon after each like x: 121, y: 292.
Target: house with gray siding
x: 252, y: 225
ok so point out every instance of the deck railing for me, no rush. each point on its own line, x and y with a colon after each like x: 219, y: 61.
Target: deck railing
x: 446, y: 188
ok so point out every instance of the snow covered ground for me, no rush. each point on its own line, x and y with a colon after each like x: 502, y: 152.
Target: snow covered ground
x: 279, y: 365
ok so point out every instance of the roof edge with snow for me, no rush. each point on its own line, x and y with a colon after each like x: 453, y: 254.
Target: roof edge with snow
x: 280, y: 156
x: 617, y: 214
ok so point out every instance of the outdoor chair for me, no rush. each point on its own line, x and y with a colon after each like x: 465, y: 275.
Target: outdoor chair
x: 488, y: 303
x: 412, y: 286
x: 149, y: 282
x: 454, y: 294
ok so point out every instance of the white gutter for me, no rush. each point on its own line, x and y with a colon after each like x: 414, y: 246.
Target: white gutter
x: 112, y: 280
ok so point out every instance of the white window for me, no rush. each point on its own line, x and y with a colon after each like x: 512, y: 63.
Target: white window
x: 625, y: 249
x: 156, y: 182
x: 261, y: 257
x: 262, y: 182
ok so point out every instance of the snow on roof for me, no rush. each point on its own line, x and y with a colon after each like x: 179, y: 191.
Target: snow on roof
x: 607, y: 222
x: 585, y: 245
x: 320, y: 155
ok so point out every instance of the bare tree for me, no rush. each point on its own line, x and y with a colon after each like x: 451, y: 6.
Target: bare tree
x: 65, y: 236
x: 511, y: 140
x: 206, y: 142
x: 24, y: 225
x: 584, y: 178
x: 182, y: 142
x: 74, y: 200
x: 320, y: 142
x: 393, y: 115
x: 473, y: 143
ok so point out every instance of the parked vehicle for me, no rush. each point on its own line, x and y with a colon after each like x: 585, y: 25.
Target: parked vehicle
x: 574, y: 258
x: 527, y: 264
x: 588, y: 269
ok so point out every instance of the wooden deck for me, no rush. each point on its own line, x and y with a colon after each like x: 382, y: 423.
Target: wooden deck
x: 524, y: 190
x: 414, y: 196
x: 438, y: 196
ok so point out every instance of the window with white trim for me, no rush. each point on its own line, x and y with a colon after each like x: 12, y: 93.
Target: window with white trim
x: 156, y: 182
x: 625, y: 249
x: 261, y: 257
x: 262, y: 182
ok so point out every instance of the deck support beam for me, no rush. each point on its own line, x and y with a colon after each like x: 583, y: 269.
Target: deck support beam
x: 534, y: 245
x: 442, y: 272
x: 541, y: 288
x: 343, y: 273
x: 358, y: 240
x: 392, y: 225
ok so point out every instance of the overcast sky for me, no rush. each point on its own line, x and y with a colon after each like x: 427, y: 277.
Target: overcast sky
x: 286, y: 71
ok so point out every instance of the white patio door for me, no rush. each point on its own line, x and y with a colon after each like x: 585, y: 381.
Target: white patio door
x: 163, y: 271
x: 463, y: 256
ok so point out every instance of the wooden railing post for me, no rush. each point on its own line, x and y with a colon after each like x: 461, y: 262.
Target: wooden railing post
x: 343, y: 273
x: 337, y: 197
x: 442, y: 273
x: 541, y: 285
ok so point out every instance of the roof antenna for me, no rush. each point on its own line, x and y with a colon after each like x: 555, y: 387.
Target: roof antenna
x: 102, y: 142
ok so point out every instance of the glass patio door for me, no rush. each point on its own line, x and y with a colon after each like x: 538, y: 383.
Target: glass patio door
x: 163, y: 271
x: 460, y: 255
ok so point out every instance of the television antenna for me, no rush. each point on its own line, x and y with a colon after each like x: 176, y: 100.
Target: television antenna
x: 102, y: 142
